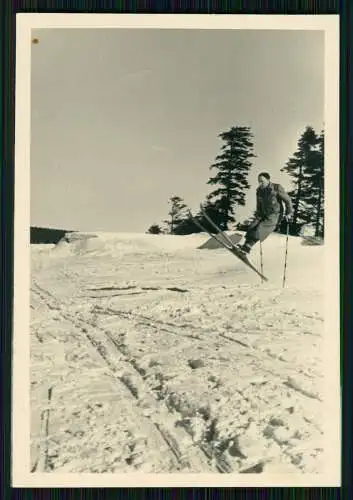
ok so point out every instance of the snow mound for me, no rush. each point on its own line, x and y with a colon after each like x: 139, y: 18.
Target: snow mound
x: 212, y: 244
x: 103, y: 243
x: 312, y: 241
x: 304, y: 269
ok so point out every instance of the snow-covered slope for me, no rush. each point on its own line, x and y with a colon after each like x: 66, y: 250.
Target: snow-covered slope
x: 161, y: 357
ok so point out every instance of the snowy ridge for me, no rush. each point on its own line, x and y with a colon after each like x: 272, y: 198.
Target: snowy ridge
x: 304, y: 264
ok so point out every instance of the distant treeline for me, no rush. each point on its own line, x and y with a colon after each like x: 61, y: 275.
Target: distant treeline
x: 46, y: 235
x: 232, y: 166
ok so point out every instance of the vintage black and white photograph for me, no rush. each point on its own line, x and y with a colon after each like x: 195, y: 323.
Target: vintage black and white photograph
x: 182, y: 188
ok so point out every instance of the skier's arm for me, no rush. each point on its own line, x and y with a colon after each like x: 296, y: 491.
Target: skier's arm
x: 286, y: 199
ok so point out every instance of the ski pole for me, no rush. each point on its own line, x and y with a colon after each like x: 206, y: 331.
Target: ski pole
x: 285, y: 258
x: 261, y: 261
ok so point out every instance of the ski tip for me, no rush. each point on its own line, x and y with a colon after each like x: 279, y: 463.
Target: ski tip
x: 244, y: 258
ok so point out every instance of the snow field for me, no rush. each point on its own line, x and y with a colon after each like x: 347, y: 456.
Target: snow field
x: 151, y: 355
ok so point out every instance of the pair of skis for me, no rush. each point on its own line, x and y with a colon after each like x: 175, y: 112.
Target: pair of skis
x: 223, y: 239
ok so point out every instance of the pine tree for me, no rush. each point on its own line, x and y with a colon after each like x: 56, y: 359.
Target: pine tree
x: 177, y: 214
x: 320, y: 207
x: 187, y: 226
x: 232, y: 166
x: 314, y: 186
x: 154, y: 229
x: 213, y: 209
x: 297, y: 167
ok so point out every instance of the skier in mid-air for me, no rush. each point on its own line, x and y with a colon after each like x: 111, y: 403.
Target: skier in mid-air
x: 269, y: 212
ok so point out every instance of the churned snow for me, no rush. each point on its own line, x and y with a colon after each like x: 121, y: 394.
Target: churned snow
x: 149, y: 354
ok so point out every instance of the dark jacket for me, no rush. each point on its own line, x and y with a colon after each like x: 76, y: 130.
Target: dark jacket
x: 269, y: 208
x: 269, y: 202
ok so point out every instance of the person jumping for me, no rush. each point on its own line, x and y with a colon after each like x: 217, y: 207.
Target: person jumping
x: 269, y: 212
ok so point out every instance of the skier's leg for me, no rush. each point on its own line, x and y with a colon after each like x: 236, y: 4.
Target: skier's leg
x: 251, y: 238
x: 260, y: 232
x: 249, y: 243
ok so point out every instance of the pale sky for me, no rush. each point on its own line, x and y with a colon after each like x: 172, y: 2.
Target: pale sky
x: 123, y: 119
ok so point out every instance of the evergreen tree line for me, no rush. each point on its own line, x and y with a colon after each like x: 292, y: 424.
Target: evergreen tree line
x: 230, y: 180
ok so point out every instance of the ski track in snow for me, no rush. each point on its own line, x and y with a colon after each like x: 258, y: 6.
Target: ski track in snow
x: 150, y: 355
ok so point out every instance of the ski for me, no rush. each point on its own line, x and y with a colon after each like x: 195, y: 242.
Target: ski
x: 229, y: 245
x: 215, y: 227
x: 214, y: 236
x: 247, y: 262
